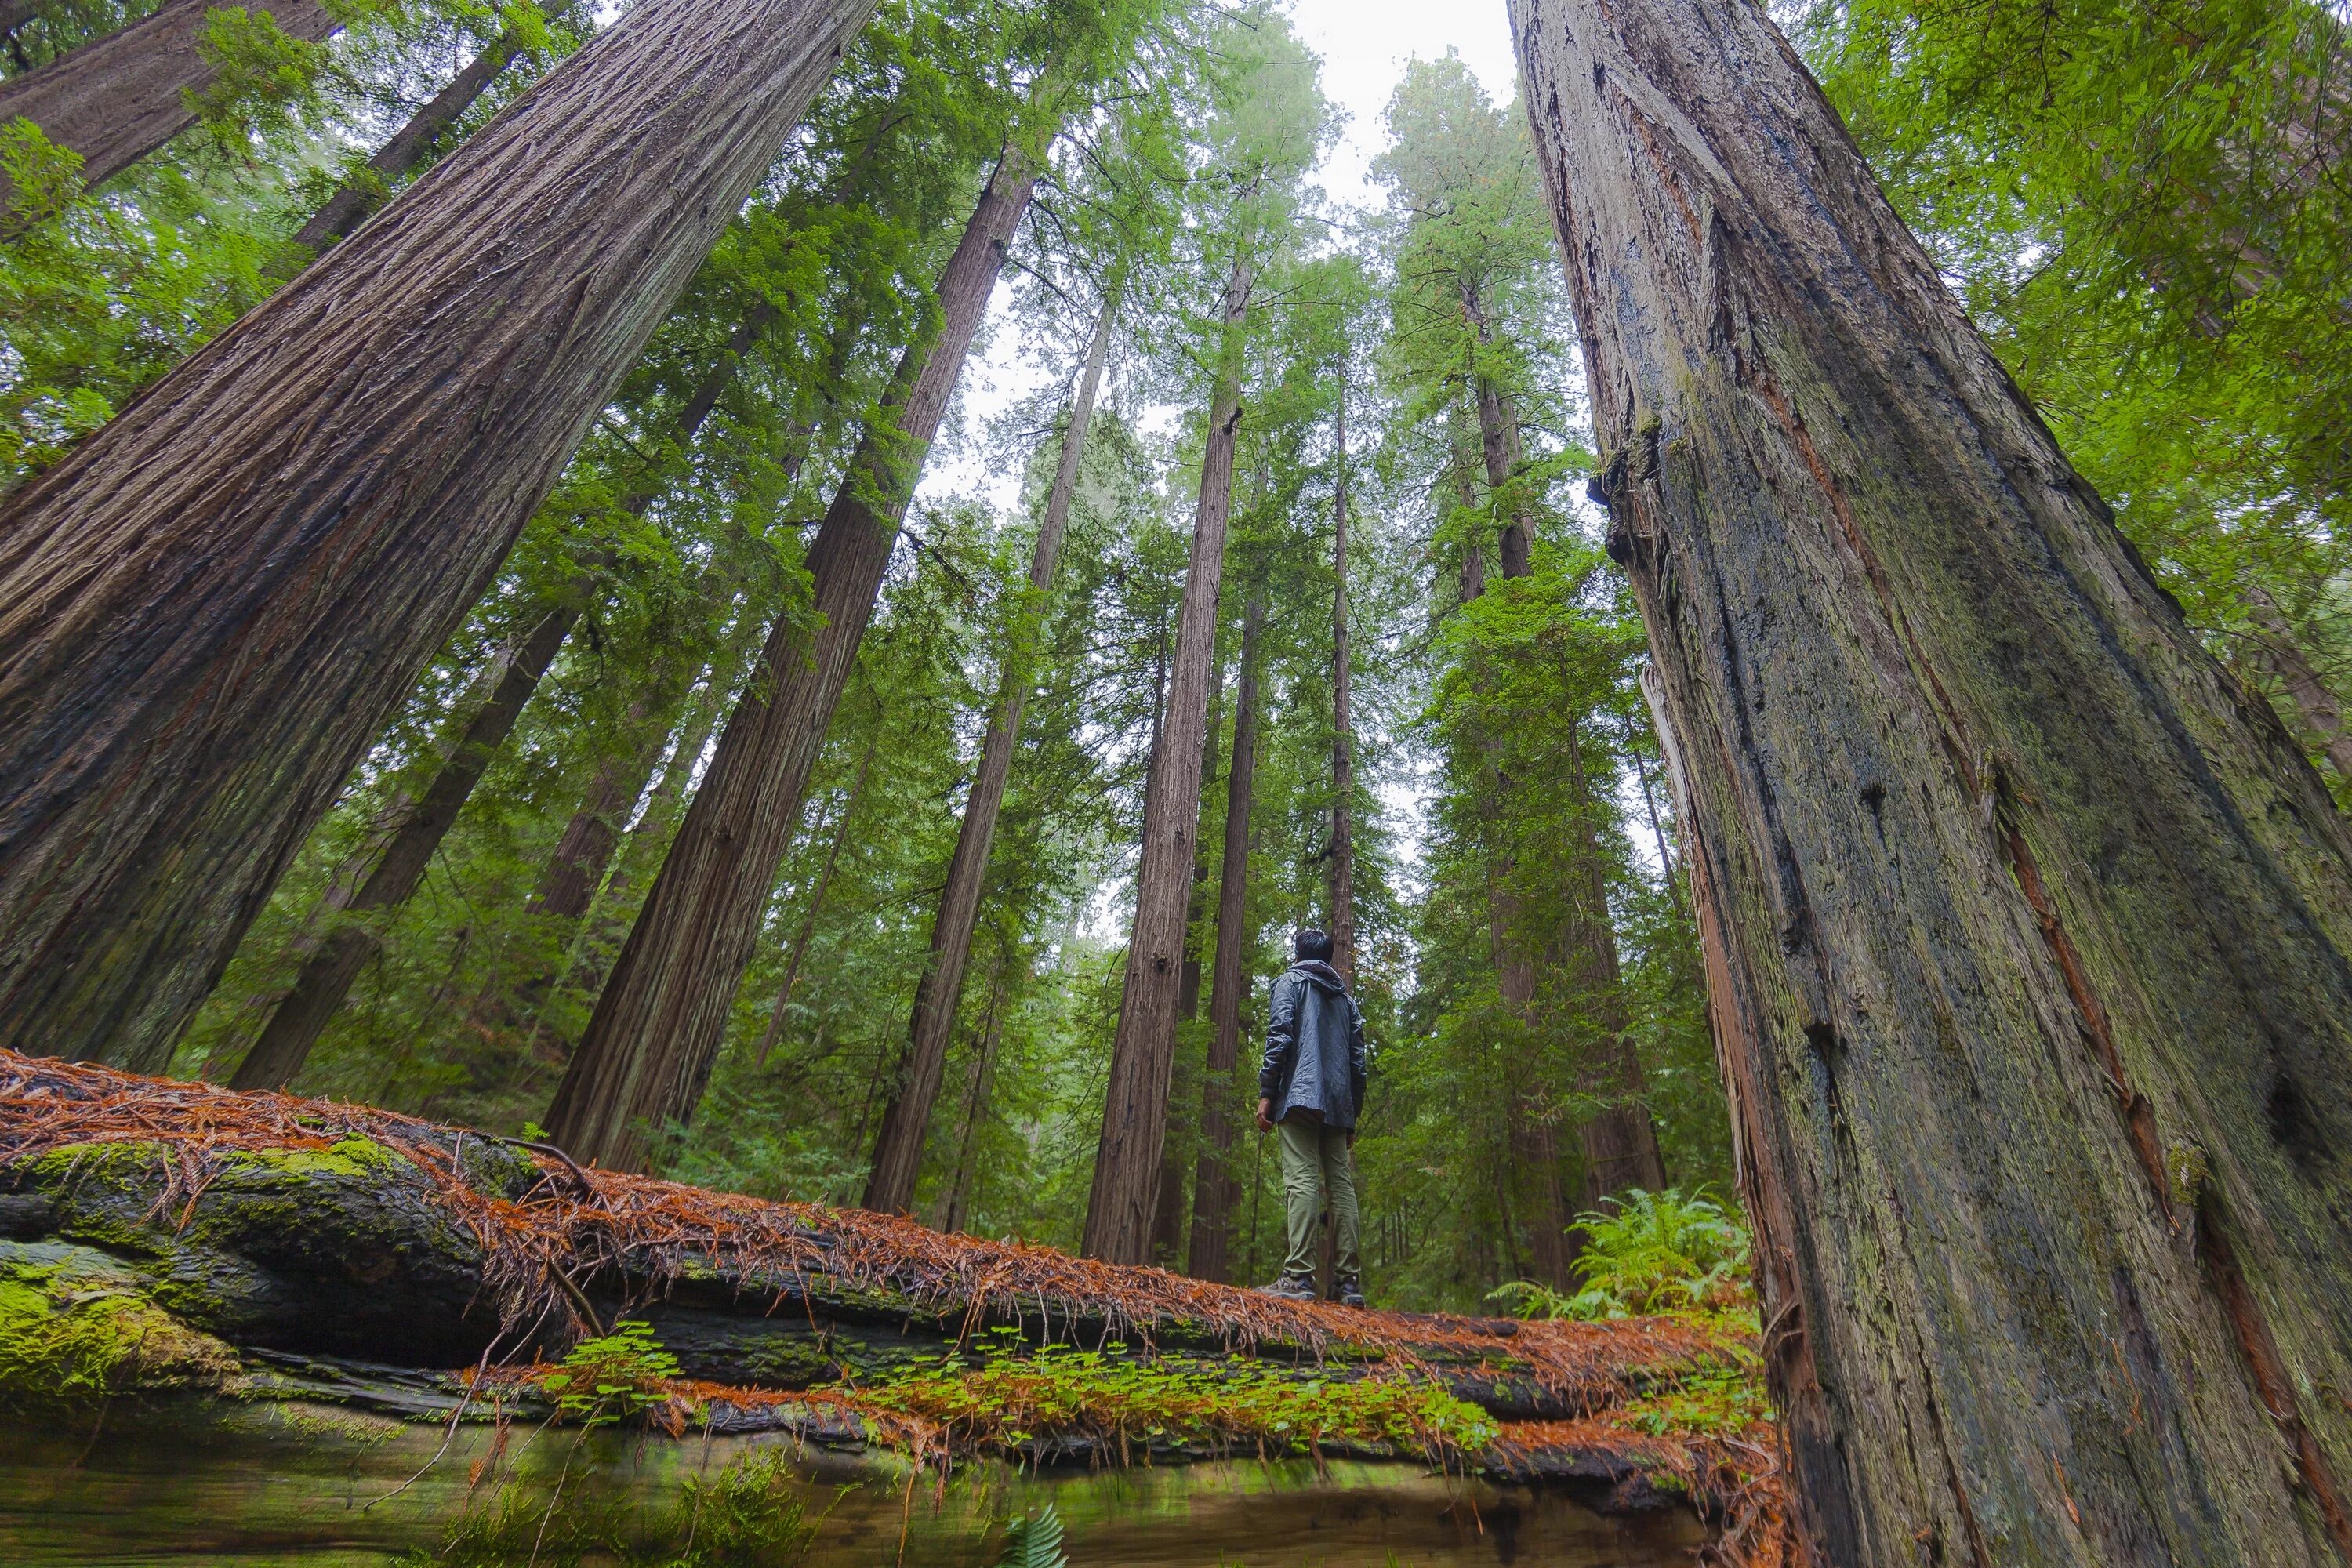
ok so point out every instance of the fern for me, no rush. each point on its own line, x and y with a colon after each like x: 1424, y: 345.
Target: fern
x: 1034, y: 1542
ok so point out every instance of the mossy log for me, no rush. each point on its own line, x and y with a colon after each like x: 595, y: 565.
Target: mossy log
x: 174, y: 1236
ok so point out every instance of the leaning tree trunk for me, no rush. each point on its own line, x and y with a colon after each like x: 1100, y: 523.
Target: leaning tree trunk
x: 119, y: 98
x: 1343, y: 726
x: 355, y: 198
x: 302, y: 1014
x: 1125, y: 1192
x: 2314, y: 704
x: 209, y: 608
x: 663, y: 1014
x: 2029, y: 931
x: 907, y: 1115
x: 1213, y: 1187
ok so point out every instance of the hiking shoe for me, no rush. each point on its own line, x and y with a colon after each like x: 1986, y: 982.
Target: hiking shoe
x: 1292, y: 1287
x: 1347, y: 1292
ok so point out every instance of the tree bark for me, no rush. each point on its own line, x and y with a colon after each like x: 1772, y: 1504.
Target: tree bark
x: 823, y: 884
x: 1212, y: 1180
x: 953, y: 1213
x: 1500, y: 445
x: 304, y: 1012
x: 2030, y: 933
x: 907, y: 1115
x: 354, y: 199
x: 1126, y: 1191
x: 208, y: 609
x: 663, y: 1016
x: 2314, y: 704
x: 117, y: 98
x: 1343, y: 723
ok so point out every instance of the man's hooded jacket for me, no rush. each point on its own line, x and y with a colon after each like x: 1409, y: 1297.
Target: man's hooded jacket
x: 1314, y: 1046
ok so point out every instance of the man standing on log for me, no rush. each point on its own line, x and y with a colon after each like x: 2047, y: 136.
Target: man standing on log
x: 1311, y: 1086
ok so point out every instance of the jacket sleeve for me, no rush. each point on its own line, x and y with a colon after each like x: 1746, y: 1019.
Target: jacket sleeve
x: 1281, y: 1038
x: 1359, y: 1054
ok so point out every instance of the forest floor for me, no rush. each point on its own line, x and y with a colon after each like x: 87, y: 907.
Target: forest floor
x: 156, y: 1234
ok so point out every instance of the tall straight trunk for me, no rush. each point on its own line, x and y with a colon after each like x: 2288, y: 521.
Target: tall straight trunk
x: 906, y: 1116
x: 355, y: 198
x: 2029, y: 935
x: 1212, y: 1178
x: 119, y: 98
x: 663, y: 1016
x: 210, y: 608
x: 1465, y: 502
x: 2314, y: 704
x: 1167, y: 1215
x: 958, y: 1203
x: 823, y: 884
x: 304, y: 1012
x: 1501, y: 446
x: 1120, y: 1208
x: 1343, y: 724
x: 1619, y: 1140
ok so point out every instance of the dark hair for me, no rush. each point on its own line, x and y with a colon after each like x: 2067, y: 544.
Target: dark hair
x: 1312, y: 943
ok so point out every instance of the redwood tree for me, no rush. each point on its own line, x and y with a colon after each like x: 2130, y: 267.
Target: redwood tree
x: 906, y: 1114
x: 208, y: 609
x: 119, y: 98
x: 2029, y: 932
x: 1122, y: 1204
x: 1213, y: 1187
x: 662, y: 1017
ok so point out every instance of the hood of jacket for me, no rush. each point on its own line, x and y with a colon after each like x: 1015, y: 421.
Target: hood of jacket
x: 1325, y: 978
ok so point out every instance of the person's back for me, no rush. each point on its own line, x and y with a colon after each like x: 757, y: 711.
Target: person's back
x: 1311, y: 1086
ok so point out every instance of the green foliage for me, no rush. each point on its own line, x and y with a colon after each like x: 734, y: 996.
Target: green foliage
x: 747, y: 1516
x: 612, y: 1377
x: 1013, y: 1398
x: 1652, y: 1252
x: 1722, y: 1402
x: 1034, y: 1541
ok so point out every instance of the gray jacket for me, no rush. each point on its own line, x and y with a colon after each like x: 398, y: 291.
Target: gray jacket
x: 1314, y: 1045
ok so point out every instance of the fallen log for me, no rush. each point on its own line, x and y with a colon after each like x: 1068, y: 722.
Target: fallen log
x: 156, y: 1234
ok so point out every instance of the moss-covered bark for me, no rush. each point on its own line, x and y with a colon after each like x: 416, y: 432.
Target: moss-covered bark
x: 2028, y: 933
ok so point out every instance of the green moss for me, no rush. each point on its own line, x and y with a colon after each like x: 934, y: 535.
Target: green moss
x: 77, y: 1326
x: 356, y: 1159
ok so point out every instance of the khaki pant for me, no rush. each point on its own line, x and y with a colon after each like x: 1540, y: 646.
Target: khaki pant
x: 1317, y: 1163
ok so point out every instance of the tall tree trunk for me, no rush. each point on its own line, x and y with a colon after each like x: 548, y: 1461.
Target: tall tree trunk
x: 119, y: 98
x: 1343, y: 724
x: 823, y: 884
x: 326, y: 978
x: 2029, y: 935
x: 1120, y: 1208
x: 907, y: 1115
x: 1212, y: 1179
x: 975, y: 1111
x: 2314, y: 704
x: 1500, y: 444
x: 304, y: 1012
x: 355, y: 198
x: 210, y: 608
x: 1619, y: 1140
x: 663, y: 1016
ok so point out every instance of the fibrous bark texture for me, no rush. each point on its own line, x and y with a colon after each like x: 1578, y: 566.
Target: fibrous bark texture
x: 207, y: 611
x: 302, y: 1014
x: 117, y: 98
x: 907, y: 1116
x: 1125, y: 1192
x: 1213, y: 1187
x: 2029, y: 934
x: 649, y: 1049
x: 2314, y: 704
